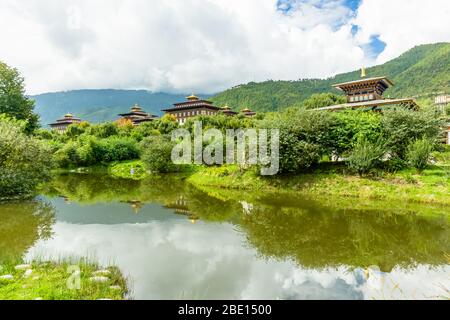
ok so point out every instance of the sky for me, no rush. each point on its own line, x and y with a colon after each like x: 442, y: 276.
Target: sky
x: 206, y: 46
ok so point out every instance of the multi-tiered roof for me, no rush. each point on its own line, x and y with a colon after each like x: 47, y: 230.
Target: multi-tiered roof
x: 368, y: 94
x: 193, y: 102
x: 138, y: 116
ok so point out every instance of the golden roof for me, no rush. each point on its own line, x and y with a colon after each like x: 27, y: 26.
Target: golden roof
x: 68, y: 115
x: 192, y: 97
x: 363, y: 72
x: 246, y: 110
x: 226, y: 107
x: 136, y: 107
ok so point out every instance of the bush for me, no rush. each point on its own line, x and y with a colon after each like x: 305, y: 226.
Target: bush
x: 157, y: 154
x: 419, y: 153
x: 115, y: 149
x: 87, y: 151
x: 297, y: 155
x: 24, y: 161
x: 304, y: 137
x: 348, y: 126
x: 365, y: 156
x: 402, y: 127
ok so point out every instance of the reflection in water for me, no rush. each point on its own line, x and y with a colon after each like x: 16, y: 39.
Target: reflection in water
x: 21, y: 225
x: 263, y: 247
x: 320, y: 238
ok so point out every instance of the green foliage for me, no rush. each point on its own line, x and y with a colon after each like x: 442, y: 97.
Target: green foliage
x: 365, y: 156
x: 422, y: 70
x: 349, y: 125
x: 13, y: 101
x: 221, y: 122
x: 25, y: 161
x: 50, y: 279
x: 88, y: 151
x: 419, y: 152
x: 157, y: 153
x: 304, y: 137
x: 128, y: 170
x: 320, y: 100
x: 401, y: 127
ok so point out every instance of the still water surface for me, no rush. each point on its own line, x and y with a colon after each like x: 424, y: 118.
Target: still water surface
x: 174, y: 241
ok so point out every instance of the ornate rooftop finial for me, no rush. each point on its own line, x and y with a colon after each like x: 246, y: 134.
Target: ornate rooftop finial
x: 192, y: 97
x: 363, y: 72
x: 68, y: 115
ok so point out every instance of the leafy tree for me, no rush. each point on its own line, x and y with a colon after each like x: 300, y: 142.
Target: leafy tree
x: 321, y: 100
x: 13, y: 101
x: 401, y: 127
x: 419, y: 152
x: 348, y: 126
x: 303, y: 137
x: 24, y: 161
x: 365, y: 156
x: 157, y: 154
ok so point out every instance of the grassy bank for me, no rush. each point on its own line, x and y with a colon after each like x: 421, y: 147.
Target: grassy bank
x: 61, y: 281
x: 432, y: 186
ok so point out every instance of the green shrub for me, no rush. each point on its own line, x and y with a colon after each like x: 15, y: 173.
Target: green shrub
x: 157, y: 154
x: 67, y: 156
x: 419, y: 153
x: 402, y: 127
x: 24, y: 161
x: 297, y: 155
x: 395, y: 164
x: 348, y: 126
x: 115, y: 149
x: 365, y: 156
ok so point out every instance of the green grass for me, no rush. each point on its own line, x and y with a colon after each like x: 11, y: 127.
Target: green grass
x: 128, y: 170
x: 432, y: 186
x: 49, y: 281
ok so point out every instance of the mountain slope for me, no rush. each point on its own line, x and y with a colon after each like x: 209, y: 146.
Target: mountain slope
x: 420, y: 71
x: 100, y: 105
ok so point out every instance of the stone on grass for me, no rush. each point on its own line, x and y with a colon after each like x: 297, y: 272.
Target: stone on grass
x: 99, y: 279
x: 23, y: 267
x: 28, y: 273
x: 102, y: 273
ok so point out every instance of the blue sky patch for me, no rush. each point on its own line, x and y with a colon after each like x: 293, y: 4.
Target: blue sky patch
x: 374, y: 48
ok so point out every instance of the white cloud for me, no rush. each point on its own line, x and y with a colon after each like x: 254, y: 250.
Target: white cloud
x: 171, y: 259
x: 202, y: 45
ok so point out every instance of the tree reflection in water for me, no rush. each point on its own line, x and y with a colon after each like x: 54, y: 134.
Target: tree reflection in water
x: 316, y: 234
x: 22, y: 225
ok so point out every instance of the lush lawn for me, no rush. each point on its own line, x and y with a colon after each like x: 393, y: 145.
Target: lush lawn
x: 58, y: 281
x: 430, y: 186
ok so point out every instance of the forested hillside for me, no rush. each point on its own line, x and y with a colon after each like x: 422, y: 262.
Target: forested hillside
x: 423, y: 70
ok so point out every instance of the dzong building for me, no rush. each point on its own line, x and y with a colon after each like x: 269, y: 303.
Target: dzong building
x: 367, y: 94
x: 62, y: 124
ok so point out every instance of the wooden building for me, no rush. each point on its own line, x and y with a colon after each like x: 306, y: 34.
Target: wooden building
x: 228, y: 112
x: 248, y: 113
x: 138, y: 116
x: 61, y: 125
x: 193, y: 107
x: 367, y: 93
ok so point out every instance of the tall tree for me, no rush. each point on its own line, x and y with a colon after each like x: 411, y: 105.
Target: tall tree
x: 13, y: 101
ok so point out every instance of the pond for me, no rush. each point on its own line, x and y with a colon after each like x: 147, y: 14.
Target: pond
x: 174, y: 241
